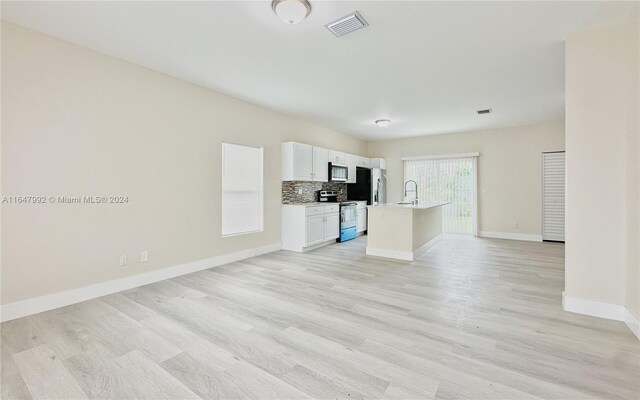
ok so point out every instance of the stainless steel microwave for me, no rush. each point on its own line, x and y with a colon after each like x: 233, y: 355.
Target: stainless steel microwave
x: 338, y: 172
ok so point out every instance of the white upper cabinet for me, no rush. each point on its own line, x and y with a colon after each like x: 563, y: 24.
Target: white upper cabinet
x: 379, y: 163
x: 320, y: 164
x: 363, y: 162
x: 337, y: 157
x: 303, y: 162
x: 352, y: 163
x: 297, y: 161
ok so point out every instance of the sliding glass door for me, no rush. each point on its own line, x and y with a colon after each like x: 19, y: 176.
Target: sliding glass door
x: 449, y: 179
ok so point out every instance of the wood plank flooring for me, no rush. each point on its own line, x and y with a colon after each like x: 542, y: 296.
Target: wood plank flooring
x: 471, y: 319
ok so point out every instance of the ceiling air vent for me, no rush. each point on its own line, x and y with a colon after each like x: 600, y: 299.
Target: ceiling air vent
x: 348, y: 24
x: 487, y: 111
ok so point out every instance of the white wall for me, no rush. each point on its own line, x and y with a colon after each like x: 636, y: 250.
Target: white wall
x: 602, y: 79
x: 77, y: 122
x: 633, y: 182
x: 509, y: 170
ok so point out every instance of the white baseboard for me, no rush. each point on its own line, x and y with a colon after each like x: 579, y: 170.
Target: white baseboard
x: 61, y: 299
x: 593, y: 308
x: 632, y: 322
x: 425, y: 247
x: 511, y: 236
x: 399, y: 255
x: 615, y: 312
x: 403, y: 255
x: 308, y: 248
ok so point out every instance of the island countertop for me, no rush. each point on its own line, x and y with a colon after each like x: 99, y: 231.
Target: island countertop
x: 419, y: 206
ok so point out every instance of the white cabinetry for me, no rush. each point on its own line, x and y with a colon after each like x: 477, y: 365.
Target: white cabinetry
x: 308, y: 226
x: 315, y: 229
x: 352, y: 163
x: 303, y: 162
x: 337, y: 157
x: 361, y: 213
x: 320, y: 164
x: 379, y: 163
x: 363, y: 162
x: 332, y: 225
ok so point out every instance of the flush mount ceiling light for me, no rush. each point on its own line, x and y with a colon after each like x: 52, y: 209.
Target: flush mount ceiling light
x: 383, y: 123
x: 291, y: 11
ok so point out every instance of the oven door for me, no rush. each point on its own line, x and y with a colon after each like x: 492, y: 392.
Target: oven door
x: 348, y: 215
x: 348, y: 222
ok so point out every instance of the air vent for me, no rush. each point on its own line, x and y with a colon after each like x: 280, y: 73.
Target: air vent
x: 348, y: 24
x: 487, y: 111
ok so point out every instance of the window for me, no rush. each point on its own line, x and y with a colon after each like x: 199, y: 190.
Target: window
x: 448, y: 178
x: 242, y: 189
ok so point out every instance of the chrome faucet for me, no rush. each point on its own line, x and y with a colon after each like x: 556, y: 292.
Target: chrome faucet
x: 415, y: 200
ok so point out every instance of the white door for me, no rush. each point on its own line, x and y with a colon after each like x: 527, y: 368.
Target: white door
x: 332, y: 226
x: 320, y: 164
x: 553, y: 196
x: 315, y: 229
x: 362, y: 220
x: 302, y: 161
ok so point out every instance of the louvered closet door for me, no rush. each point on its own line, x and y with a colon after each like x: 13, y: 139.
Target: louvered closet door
x: 553, y: 196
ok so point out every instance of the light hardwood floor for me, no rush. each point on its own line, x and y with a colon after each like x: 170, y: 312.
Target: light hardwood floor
x: 471, y: 319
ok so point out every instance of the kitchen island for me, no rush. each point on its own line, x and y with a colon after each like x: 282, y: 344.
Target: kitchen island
x: 403, y: 231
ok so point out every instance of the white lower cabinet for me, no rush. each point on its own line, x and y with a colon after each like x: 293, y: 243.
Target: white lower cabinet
x: 307, y: 226
x: 315, y: 230
x: 332, y: 226
x: 361, y: 213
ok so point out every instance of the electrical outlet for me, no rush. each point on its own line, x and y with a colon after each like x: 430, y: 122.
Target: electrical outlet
x: 144, y: 256
x: 122, y: 260
x: 300, y: 192
x: 516, y: 225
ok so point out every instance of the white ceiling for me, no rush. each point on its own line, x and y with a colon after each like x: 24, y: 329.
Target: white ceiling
x: 427, y: 66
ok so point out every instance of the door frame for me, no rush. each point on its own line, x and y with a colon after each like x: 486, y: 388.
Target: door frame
x: 474, y: 156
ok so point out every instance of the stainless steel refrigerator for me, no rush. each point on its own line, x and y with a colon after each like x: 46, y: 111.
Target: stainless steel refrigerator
x: 371, y: 185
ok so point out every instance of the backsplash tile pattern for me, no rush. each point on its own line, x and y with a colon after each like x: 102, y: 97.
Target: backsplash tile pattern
x: 339, y: 187
x: 309, y: 193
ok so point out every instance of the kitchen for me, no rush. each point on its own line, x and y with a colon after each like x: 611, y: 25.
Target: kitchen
x: 329, y: 196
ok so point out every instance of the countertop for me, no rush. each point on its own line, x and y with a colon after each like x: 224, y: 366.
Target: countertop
x: 419, y: 206
x: 315, y: 204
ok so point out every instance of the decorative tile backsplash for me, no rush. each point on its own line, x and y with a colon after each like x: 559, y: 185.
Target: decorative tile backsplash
x: 339, y: 187
x: 309, y: 191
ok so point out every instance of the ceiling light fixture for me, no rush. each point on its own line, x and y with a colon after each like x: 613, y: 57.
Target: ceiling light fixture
x: 291, y: 11
x: 383, y: 123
